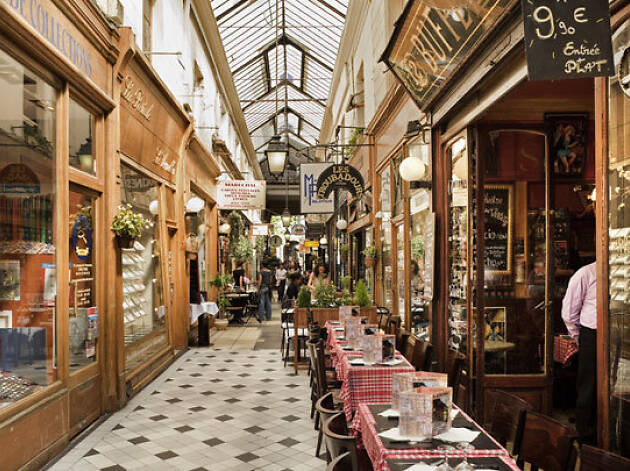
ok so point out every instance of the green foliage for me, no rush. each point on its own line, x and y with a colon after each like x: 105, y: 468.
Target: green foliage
x: 344, y: 249
x: 361, y: 295
x: 261, y: 245
x: 304, y: 297
x: 345, y: 281
x: 352, y: 142
x: 325, y: 294
x: 244, y: 250
x: 370, y: 251
x: 345, y: 299
x: 236, y: 230
x: 417, y: 248
x: 223, y: 303
x: 222, y: 281
x: 127, y: 223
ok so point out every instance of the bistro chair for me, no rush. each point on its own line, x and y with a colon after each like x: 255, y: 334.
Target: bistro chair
x: 251, y: 308
x: 339, y: 440
x: 454, y: 365
x: 596, y: 459
x: 326, y: 408
x: 382, y: 316
x: 393, y: 324
x: 402, y: 339
x: 288, y: 334
x: 544, y: 443
x: 342, y: 463
x: 323, y: 382
x: 422, y: 355
x: 505, y: 413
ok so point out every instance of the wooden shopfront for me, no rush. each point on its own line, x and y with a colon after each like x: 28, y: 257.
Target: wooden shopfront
x: 202, y: 222
x: 499, y: 171
x: 151, y: 320
x: 55, y: 124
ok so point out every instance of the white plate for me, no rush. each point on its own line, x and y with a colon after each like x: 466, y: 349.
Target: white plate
x: 395, y: 361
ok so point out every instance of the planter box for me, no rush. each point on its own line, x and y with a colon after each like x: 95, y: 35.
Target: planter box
x: 320, y: 315
x: 370, y: 313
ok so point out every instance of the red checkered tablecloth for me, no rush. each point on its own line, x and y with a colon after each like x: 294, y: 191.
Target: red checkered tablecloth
x: 378, y: 453
x: 509, y: 462
x: 563, y: 349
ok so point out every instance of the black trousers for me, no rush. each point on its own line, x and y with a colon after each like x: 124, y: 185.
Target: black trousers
x: 586, y: 404
x: 281, y: 287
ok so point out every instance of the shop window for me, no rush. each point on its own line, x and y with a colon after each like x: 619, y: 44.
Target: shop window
x: 143, y: 305
x: 619, y: 246
x: 82, y: 155
x: 399, y: 202
x: 386, y: 240
x: 457, y: 154
x: 83, y: 323
x: 28, y: 274
x: 400, y: 269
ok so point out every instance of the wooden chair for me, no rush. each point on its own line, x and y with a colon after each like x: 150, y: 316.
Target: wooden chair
x: 393, y: 324
x: 455, y: 362
x: 326, y: 408
x: 339, y: 441
x: 324, y: 382
x: 422, y: 356
x: 402, y: 339
x: 382, y: 315
x: 342, y: 463
x: 544, y: 443
x: 505, y: 415
x: 596, y: 459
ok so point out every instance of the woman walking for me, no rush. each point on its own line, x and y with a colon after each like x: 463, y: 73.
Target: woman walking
x: 265, y: 280
x: 281, y: 280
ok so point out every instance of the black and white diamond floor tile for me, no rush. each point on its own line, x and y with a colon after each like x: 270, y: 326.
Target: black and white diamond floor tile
x: 211, y: 410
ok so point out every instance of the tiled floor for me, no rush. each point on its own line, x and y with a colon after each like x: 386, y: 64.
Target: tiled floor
x: 213, y: 409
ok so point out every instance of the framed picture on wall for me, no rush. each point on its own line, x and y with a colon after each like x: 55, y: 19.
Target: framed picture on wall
x: 568, y: 143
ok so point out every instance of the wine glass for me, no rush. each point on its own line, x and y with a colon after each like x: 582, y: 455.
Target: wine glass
x: 465, y: 465
x: 444, y: 466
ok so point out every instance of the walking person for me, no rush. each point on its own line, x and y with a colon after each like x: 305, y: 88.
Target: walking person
x: 579, y: 312
x: 265, y: 282
x: 281, y: 280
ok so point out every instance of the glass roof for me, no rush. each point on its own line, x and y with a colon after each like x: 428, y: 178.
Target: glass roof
x: 299, y: 39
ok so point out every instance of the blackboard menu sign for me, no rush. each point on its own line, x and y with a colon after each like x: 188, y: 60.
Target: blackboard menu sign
x: 567, y: 39
x: 498, y: 229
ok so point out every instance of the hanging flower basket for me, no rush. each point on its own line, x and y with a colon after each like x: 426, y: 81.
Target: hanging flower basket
x: 125, y: 241
x: 370, y: 262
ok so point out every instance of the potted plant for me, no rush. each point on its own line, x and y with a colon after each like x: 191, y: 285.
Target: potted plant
x: 325, y: 294
x: 361, y: 295
x: 243, y: 251
x: 221, y: 282
x: 370, y: 256
x: 128, y: 226
x: 344, y: 249
x: 304, y: 298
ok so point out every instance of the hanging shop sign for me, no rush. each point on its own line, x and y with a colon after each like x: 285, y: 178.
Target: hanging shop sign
x: 568, y: 39
x: 340, y: 176
x: 429, y: 44
x: 275, y: 241
x: 311, y: 244
x: 260, y: 229
x: 309, y: 202
x: 242, y: 194
x: 298, y: 229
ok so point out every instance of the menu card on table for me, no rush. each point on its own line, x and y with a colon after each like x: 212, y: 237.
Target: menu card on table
x: 401, y: 382
x: 442, y: 403
x: 372, y: 352
x: 415, y: 415
x: 388, y: 349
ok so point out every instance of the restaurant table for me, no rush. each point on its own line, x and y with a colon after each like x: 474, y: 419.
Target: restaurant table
x: 383, y: 452
x: 362, y: 383
x: 499, y: 463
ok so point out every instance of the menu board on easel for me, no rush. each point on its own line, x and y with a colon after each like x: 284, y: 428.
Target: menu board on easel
x: 498, y: 229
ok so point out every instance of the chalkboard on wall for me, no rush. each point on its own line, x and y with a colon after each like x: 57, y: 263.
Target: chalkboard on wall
x: 567, y: 39
x: 498, y: 229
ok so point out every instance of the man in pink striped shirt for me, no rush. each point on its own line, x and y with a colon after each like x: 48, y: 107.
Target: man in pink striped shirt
x: 579, y: 312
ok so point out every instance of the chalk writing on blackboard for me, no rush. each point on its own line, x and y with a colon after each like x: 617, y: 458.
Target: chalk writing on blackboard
x: 567, y: 39
x: 498, y: 228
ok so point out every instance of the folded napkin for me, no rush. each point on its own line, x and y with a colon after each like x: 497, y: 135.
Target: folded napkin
x: 357, y: 361
x: 394, y: 435
x: 341, y: 337
x: 395, y: 361
x: 454, y: 413
x: 339, y: 329
x: 390, y: 413
x: 421, y: 467
x: 455, y: 435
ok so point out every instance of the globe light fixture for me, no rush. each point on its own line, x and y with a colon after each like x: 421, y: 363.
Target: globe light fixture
x: 154, y: 207
x: 194, y: 205
x: 224, y: 228
x: 276, y: 154
x: 413, y: 168
x: 323, y: 241
x: 342, y: 224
